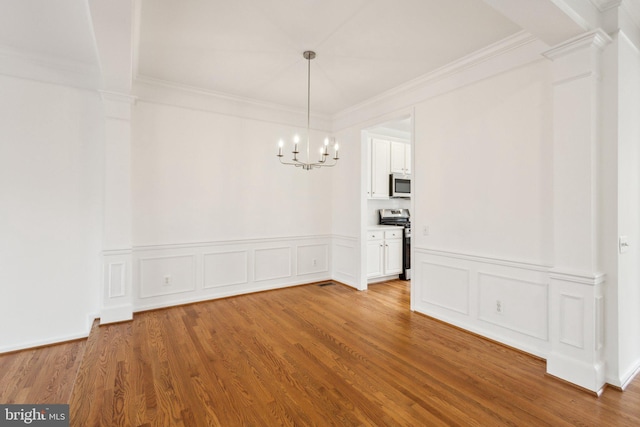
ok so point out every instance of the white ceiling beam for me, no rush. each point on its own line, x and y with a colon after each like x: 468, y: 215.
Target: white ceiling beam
x: 112, y: 27
x: 552, y: 21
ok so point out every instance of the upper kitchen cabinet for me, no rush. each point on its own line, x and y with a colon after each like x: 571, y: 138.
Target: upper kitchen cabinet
x: 380, y: 169
x: 400, y: 157
x: 386, y: 157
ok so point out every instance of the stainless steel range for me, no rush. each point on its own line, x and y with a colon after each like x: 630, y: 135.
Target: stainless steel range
x: 401, y: 218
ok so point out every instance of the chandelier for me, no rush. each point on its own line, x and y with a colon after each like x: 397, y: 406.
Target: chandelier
x: 324, y: 149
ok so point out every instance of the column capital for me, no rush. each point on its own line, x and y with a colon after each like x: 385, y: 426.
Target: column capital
x: 597, y: 38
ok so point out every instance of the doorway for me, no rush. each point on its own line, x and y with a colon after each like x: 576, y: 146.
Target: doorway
x: 387, y: 152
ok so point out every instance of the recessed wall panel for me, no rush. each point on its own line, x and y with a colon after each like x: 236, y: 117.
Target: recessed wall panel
x: 167, y: 275
x: 225, y: 269
x: 344, y: 261
x: 515, y: 304
x: 312, y: 259
x: 272, y: 263
x: 445, y: 286
x: 116, y: 281
x: 572, y: 320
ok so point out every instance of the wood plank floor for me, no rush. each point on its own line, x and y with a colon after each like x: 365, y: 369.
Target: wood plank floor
x: 309, y: 355
x: 41, y: 375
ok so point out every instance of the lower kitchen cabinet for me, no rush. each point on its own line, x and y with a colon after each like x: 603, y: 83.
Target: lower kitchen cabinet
x: 384, y: 253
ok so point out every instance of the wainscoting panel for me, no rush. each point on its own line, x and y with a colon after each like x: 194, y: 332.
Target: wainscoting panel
x: 116, y: 279
x: 576, y: 328
x: 166, y: 275
x: 446, y: 287
x: 116, y: 286
x: 504, y: 300
x: 225, y: 269
x: 572, y: 320
x: 272, y: 263
x: 313, y: 259
x: 514, y: 304
x: 346, y: 260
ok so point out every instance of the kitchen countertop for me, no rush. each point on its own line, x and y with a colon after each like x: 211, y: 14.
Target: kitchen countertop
x: 382, y: 227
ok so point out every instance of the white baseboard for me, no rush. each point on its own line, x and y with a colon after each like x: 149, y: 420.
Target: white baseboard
x: 45, y: 342
x: 625, y: 378
x: 589, y: 376
x: 122, y: 313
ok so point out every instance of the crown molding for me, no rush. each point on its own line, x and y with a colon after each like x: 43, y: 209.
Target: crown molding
x: 631, y: 7
x: 604, y: 5
x: 494, y: 50
x: 511, y: 52
x: 149, y: 89
x: 195, y: 90
x: 597, y: 38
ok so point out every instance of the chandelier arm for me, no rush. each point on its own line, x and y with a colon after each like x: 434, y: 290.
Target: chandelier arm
x: 308, y: 166
x: 323, y: 164
x: 295, y: 162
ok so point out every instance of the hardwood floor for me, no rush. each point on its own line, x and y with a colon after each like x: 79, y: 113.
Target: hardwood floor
x: 41, y: 375
x: 309, y: 355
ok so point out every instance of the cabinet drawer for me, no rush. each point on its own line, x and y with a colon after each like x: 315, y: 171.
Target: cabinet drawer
x: 393, y: 234
x: 375, y: 235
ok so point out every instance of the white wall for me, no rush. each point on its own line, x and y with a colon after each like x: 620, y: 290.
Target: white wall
x: 215, y: 213
x: 620, y: 208
x: 629, y: 208
x: 200, y: 176
x: 50, y: 212
x: 484, y: 174
x: 346, y: 185
x: 345, y: 214
x: 482, y: 184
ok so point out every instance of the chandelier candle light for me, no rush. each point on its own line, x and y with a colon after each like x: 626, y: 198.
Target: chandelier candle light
x: 324, y: 150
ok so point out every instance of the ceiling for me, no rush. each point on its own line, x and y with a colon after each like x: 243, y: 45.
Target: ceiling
x: 252, y: 49
x: 54, y: 30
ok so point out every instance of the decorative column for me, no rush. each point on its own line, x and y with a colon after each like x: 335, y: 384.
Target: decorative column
x: 576, y: 284
x: 116, y: 296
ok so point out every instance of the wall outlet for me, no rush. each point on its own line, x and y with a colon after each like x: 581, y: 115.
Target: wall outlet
x: 425, y: 230
x: 499, y: 307
x: 314, y: 262
x: 167, y: 280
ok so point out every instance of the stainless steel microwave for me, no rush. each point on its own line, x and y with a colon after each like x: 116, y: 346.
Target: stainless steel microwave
x: 400, y: 185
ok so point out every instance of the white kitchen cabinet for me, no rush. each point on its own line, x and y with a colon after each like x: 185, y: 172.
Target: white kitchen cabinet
x: 386, y: 157
x: 393, y: 256
x: 384, y: 253
x: 407, y: 157
x: 375, y: 254
x: 400, y: 157
x: 380, y: 169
